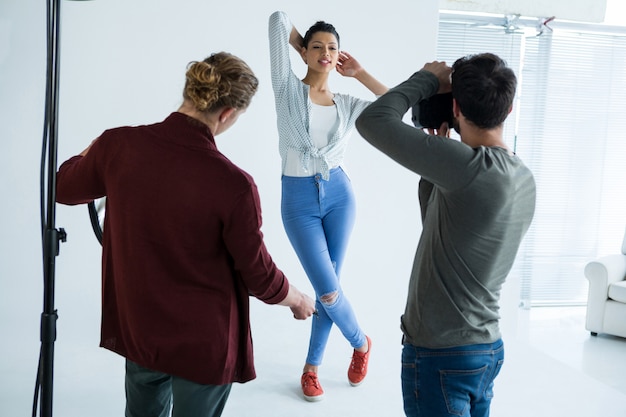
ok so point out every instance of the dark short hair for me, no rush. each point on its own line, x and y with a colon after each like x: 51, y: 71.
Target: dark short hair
x: 319, y: 26
x: 484, y: 89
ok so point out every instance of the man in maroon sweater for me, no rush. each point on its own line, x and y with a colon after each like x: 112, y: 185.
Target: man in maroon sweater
x: 182, y: 249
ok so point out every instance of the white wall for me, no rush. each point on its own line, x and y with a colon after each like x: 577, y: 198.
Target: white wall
x: 123, y: 62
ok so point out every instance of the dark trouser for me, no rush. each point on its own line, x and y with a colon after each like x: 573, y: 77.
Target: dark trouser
x: 450, y: 382
x: 152, y: 394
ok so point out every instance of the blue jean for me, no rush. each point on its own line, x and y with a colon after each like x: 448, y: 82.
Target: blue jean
x: 318, y: 216
x: 152, y: 394
x: 450, y: 382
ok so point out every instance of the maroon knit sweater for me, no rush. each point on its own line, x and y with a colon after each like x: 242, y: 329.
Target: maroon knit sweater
x: 182, y: 249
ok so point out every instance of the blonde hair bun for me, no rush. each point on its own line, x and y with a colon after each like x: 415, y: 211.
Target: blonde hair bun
x: 221, y: 80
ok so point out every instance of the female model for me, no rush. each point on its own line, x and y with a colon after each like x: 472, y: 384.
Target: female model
x: 317, y: 204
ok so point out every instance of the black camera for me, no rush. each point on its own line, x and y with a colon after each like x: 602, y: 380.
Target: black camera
x: 430, y: 113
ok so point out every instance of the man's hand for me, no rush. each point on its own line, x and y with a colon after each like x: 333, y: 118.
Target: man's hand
x: 304, y: 309
x: 301, y: 305
x: 444, y: 130
x: 443, y: 73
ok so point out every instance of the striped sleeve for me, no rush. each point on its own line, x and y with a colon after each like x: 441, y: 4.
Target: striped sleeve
x: 279, y: 31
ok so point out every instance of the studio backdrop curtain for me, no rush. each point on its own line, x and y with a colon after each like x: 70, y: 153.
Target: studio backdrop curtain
x: 568, y: 127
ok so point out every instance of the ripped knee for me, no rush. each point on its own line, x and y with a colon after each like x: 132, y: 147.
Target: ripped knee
x: 330, y: 298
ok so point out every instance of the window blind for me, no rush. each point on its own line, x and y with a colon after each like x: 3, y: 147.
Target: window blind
x: 567, y: 126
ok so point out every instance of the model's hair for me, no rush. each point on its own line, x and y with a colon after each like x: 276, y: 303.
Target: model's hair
x: 319, y: 26
x: 484, y: 89
x: 221, y: 80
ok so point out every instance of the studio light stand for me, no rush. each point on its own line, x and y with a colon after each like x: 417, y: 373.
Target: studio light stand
x: 51, y: 237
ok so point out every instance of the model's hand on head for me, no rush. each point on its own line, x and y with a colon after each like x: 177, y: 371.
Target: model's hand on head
x: 442, y: 72
x: 347, y: 65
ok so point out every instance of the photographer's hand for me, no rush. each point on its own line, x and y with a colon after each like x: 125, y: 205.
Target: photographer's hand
x: 443, y: 73
x: 444, y: 130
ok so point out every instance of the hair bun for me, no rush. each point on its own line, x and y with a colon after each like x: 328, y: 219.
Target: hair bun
x: 220, y: 80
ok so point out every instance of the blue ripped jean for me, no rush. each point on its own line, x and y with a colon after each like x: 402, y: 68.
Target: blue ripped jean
x: 450, y: 382
x: 318, y: 216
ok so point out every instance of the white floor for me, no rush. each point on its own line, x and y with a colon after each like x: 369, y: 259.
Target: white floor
x: 553, y: 368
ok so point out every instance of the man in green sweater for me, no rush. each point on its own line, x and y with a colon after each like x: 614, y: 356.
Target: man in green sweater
x: 477, y: 200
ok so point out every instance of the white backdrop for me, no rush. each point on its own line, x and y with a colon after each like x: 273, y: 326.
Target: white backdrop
x: 123, y: 63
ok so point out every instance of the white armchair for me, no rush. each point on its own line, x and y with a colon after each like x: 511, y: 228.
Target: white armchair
x: 606, y: 302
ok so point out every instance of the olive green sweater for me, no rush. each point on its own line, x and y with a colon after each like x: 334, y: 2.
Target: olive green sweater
x: 477, y: 204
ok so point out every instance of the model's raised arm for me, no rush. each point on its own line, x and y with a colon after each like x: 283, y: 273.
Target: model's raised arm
x: 348, y: 66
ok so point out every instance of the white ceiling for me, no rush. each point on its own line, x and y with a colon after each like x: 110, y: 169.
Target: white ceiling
x: 592, y: 11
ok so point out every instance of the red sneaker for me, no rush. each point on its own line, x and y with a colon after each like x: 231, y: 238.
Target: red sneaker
x: 311, y: 387
x: 358, y: 366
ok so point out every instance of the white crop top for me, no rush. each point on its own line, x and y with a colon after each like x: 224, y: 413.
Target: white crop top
x: 323, y: 123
